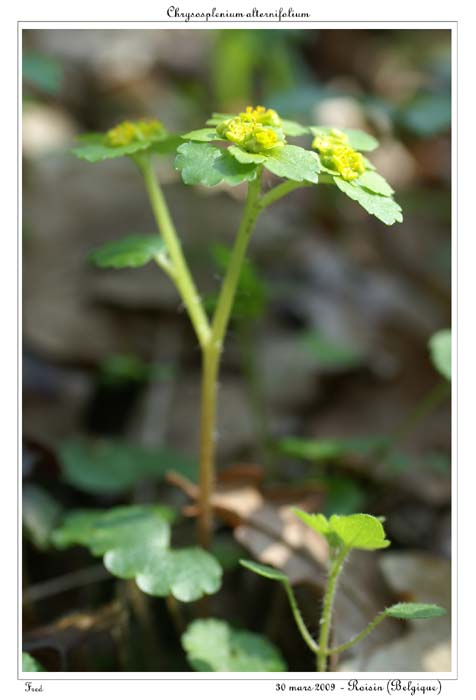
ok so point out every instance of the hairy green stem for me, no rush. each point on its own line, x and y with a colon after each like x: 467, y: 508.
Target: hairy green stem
x: 371, y: 626
x: 179, y: 272
x: 305, y: 634
x: 328, y: 602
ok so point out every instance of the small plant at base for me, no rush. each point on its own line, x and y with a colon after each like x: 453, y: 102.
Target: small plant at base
x: 343, y: 534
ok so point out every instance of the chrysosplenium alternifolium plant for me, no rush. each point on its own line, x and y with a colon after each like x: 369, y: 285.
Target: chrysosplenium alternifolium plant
x: 231, y: 149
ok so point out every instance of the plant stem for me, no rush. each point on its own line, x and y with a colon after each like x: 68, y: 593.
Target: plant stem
x: 227, y: 292
x: 371, y: 626
x: 211, y: 353
x: 335, y: 569
x: 181, y: 274
x: 280, y: 191
x: 210, y: 366
x: 301, y: 625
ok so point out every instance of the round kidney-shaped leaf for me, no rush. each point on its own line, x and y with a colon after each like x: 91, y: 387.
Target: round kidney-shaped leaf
x: 29, y: 664
x: 187, y: 574
x: 213, y: 645
x: 134, y: 541
x: 440, y: 350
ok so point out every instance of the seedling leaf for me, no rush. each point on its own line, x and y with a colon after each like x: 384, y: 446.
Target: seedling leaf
x: 317, y: 522
x: 134, y: 541
x: 383, y: 208
x: 30, y: 665
x: 213, y: 645
x: 415, y: 611
x: 440, y: 351
x: 135, y: 250
x: 262, y: 570
x: 357, y: 531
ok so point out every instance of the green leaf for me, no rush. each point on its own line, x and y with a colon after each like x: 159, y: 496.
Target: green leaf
x: 246, y: 157
x: 358, y: 140
x: 293, y: 163
x: 187, y: 574
x: 94, y: 149
x: 203, y: 164
x: 213, y: 645
x: 317, y: 522
x: 331, y: 449
x: 331, y: 355
x: 40, y: 514
x: 218, y: 117
x: 134, y: 541
x: 30, y: 665
x: 383, y: 208
x: 291, y: 128
x: 133, y: 251
x: 440, y: 351
x: 371, y: 180
x: 415, y: 611
x: 206, y: 134
x: 113, y: 466
x: 262, y: 570
x: 357, y: 531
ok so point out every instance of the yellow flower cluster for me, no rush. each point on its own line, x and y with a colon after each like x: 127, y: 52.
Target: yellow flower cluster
x: 256, y: 130
x: 336, y: 154
x: 128, y: 132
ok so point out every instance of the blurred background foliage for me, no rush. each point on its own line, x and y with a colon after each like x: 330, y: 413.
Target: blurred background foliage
x: 328, y: 392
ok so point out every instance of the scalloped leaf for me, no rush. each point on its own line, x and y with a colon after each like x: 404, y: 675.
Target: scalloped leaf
x: 291, y: 128
x: 213, y: 645
x: 415, y: 611
x: 374, y: 182
x: 207, y: 134
x: 385, y: 209
x: 135, y: 250
x: 187, y: 574
x: 30, y: 665
x: 94, y: 149
x: 440, y: 351
x: 203, y: 164
x: 246, y: 157
x: 293, y: 163
x: 134, y: 542
x: 105, y: 466
x: 262, y: 570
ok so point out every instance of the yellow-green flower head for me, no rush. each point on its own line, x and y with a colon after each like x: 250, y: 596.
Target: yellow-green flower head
x: 255, y: 130
x: 336, y: 154
x: 129, y: 132
x: 267, y: 117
